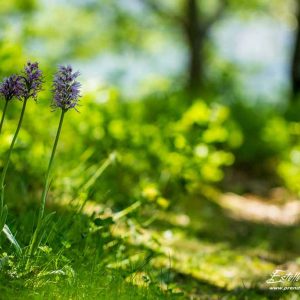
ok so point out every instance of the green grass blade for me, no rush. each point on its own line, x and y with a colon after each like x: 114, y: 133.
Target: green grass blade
x: 3, y: 217
x: 12, y: 239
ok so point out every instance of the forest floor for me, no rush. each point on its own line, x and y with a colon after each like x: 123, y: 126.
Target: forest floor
x: 225, y: 246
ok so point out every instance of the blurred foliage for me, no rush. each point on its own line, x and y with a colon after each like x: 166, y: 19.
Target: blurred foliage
x: 271, y: 142
x: 288, y: 167
x: 167, y: 144
x: 165, y: 147
x: 264, y: 131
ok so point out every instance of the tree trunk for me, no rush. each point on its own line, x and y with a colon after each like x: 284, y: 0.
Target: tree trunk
x: 295, y: 68
x: 195, y: 45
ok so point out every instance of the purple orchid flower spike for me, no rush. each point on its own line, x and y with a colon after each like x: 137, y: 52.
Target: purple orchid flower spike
x: 66, y: 89
x: 33, y: 80
x: 11, y: 87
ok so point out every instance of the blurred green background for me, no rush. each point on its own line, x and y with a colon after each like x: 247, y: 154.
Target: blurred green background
x: 192, y: 106
x: 217, y: 76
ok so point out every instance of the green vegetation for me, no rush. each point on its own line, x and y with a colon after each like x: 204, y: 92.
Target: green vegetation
x: 170, y: 179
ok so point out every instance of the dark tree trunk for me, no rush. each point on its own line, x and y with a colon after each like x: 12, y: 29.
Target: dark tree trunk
x: 195, y: 45
x: 195, y: 27
x: 295, y: 68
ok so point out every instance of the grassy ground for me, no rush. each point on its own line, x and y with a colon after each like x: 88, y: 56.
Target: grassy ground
x: 197, y: 251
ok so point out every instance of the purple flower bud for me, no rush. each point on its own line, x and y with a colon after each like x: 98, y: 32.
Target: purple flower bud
x: 33, y: 80
x: 65, y: 88
x: 11, y: 86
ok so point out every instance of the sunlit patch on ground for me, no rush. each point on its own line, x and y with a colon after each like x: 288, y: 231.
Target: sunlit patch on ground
x: 256, y: 209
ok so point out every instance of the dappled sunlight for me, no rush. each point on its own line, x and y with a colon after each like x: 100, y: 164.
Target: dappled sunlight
x: 260, y: 210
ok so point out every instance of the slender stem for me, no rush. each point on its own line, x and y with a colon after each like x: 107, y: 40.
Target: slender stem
x: 46, y: 186
x: 3, y: 115
x: 45, y: 190
x: 2, y: 180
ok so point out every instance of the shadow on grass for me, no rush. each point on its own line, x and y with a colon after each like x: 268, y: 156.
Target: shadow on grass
x: 73, y: 238
x: 211, y: 223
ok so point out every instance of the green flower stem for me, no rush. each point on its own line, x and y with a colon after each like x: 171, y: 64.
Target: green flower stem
x: 46, y: 186
x: 2, y: 180
x: 3, y: 115
x: 45, y: 191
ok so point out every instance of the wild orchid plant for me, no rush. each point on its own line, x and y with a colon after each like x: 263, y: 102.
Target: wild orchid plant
x: 66, y: 94
x: 23, y: 87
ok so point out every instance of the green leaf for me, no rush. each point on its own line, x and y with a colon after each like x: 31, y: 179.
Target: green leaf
x: 12, y: 239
